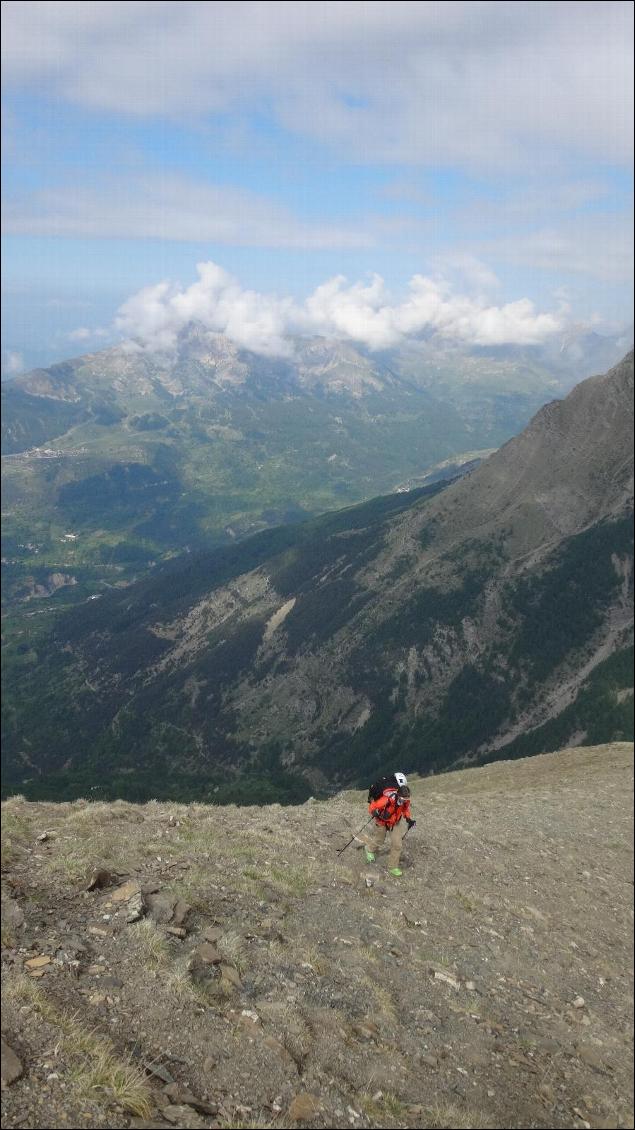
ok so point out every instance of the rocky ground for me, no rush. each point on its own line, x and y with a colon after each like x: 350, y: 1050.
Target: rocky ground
x: 187, y: 966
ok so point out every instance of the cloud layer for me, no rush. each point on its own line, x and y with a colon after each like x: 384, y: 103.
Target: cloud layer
x: 171, y: 207
x: 362, y: 312
x: 482, y: 84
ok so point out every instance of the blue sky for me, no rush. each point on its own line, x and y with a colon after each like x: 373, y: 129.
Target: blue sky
x: 483, y: 148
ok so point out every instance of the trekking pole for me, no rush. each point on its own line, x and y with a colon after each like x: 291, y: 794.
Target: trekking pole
x: 354, y: 837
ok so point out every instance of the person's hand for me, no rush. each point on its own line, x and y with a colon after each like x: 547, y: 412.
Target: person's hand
x: 410, y: 823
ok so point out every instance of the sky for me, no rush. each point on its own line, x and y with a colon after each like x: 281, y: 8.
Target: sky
x: 371, y: 170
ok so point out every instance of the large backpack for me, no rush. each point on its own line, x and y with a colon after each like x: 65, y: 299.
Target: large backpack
x: 376, y: 789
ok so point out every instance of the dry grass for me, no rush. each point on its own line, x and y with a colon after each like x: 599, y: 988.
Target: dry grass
x: 101, y: 1070
x: 149, y: 944
x: 233, y: 948
x: 449, y: 1116
x: 17, y: 828
x: 318, y: 961
x: 196, y: 888
x: 96, y: 1068
x: 272, y: 869
x: 179, y: 987
x: 385, y: 1002
x: 7, y: 937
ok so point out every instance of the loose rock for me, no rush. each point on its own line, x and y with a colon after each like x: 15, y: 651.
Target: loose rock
x: 12, y: 1067
x: 99, y: 879
x: 303, y: 1108
x: 161, y: 906
x: 37, y: 962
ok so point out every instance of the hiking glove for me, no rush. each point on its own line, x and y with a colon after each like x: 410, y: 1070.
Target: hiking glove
x: 410, y: 823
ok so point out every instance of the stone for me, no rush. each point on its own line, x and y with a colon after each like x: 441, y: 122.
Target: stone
x: 135, y: 908
x: 212, y: 933
x: 161, y: 906
x: 99, y: 879
x: 303, y: 1108
x: 182, y: 1116
x: 37, y: 962
x: 12, y: 1067
x: 578, y: 1002
x: 158, y: 1071
x: 447, y: 978
x: 207, y: 954
x: 181, y: 1096
x: 176, y: 931
x: 181, y: 911
x: 231, y: 976
x: 12, y: 915
x: 124, y: 892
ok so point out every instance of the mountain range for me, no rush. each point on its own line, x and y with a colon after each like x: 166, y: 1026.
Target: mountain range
x: 121, y: 458
x: 491, y: 617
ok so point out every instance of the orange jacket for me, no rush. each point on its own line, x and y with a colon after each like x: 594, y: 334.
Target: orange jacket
x: 389, y: 808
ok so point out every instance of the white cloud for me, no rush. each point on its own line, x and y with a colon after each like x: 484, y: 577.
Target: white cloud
x: 85, y: 333
x: 362, y: 312
x: 475, y: 83
x: 601, y: 247
x: 14, y: 362
x: 174, y: 208
x: 473, y: 272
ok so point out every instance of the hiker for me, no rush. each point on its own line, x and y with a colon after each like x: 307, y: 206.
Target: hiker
x: 389, y: 805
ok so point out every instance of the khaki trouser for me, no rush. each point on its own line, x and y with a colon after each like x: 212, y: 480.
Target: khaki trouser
x: 378, y: 835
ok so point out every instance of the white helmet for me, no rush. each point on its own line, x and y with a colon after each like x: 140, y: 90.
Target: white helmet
x: 401, y: 779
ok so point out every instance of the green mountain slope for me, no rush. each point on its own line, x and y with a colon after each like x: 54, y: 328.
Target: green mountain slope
x: 437, y: 627
x: 117, y: 459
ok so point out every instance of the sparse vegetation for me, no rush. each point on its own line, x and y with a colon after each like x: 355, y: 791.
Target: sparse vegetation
x: 327, y: 985
x: 95, y: 1068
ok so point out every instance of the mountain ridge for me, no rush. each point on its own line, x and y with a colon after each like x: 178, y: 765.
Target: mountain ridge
x: 121, y: 458
x: 395, y: 626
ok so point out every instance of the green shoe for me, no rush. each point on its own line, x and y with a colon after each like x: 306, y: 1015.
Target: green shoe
x: 370, y: 858
x: 396, y: 871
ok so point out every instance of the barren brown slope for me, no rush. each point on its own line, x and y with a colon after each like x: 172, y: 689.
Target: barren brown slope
x: 489, y: 987
x: 570, y: 467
